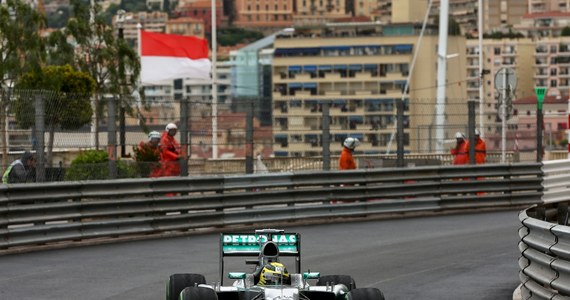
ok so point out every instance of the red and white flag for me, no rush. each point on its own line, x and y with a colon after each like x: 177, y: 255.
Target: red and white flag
x: 171, y: 56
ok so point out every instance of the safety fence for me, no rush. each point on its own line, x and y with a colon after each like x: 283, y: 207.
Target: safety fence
x: 285, y: 128
x: 545, y: 238
x: 59, y: 214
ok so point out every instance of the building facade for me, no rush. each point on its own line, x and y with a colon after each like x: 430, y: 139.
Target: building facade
x: 186, y: 26
x: 541, y: 6
x: 552, y: 65
x: 361, y: 72
x: 268, y: 15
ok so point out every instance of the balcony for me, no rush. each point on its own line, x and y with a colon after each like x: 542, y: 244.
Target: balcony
x: 333, y: 76
x: 363, y: 93
x: 363, y: 76
x: 332, y: 93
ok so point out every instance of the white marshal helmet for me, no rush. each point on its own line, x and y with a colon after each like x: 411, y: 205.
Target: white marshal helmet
x: 459, y: 135
x: 477, y: 132
x: 153, y: 135
x: 171, y: 126
x: 351, y: 142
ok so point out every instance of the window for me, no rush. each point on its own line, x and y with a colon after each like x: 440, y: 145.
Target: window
x: 553, y: 72
x: 553, y: 83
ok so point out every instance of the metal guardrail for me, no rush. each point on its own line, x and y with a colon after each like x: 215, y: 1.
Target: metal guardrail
x: 545, y: 252
x: 545, y: 238
x: 52, y: 214
x: 556, y: 181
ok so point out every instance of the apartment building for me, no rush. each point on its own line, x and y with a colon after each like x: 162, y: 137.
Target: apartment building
x: 522, y: 137
x: 515, y: 54
x: 202, y: 10
x: 151, y: 21
x: 311, y: 12
x: 186, y: 26
x: 543, y: 24
x: 502, y: 13
x: 506, y: 53
x: 552, y: 65
x: 361, y: 70
x: 541, y: 6
x: 464, y: 12
x: 264, y: 15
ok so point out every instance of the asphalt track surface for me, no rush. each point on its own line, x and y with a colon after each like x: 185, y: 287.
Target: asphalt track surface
x: 464, y: 256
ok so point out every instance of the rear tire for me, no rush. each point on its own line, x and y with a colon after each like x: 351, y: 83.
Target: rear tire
x: 365, y: 294
x: 198, y: 293
x: 347, y: 280
x: 177, y: 283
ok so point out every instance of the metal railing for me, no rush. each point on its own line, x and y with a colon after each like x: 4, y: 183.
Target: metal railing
x: 60, y: 214
x: 545, y: 252
x: 545, y: 238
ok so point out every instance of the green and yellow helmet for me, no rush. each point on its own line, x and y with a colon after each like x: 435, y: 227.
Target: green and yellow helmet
x: 274, y: 273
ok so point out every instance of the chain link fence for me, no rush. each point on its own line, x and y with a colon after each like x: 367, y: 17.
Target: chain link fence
x: 252, y: 134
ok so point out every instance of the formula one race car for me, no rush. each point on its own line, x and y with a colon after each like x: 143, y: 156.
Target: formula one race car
x: 270, y: 279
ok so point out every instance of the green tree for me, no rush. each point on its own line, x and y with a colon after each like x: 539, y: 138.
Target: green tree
x: 133, y: 5
x: 21, y: 50
x: 453, y: 27
x: 58, y: 18
x: 67, y: 101
x: 110, y: 61
x: 565, y: 31
x: 232, y: 36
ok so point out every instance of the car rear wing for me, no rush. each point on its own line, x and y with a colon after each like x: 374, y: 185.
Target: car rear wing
x: 250, y: 245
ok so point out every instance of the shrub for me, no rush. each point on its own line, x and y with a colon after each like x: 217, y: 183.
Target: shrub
x: 94, y: 164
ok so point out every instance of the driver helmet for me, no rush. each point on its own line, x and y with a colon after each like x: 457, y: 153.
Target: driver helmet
x: 351, y: 143
x: 274, y: 273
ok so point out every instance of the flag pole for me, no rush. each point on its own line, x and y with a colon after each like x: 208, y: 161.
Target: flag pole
x: 214, y: 85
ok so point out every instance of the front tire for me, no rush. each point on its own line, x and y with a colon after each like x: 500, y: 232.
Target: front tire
x: 365, y: 294
x: 177, y: 283
x: 198, y: 293
x: 347, y: 280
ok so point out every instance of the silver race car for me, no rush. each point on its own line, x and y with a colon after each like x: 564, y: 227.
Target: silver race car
x: 270, y: 279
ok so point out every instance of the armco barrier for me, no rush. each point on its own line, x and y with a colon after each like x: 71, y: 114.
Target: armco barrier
x: 54, y: 214
x: 545, y: 238
x: 545, y: 252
